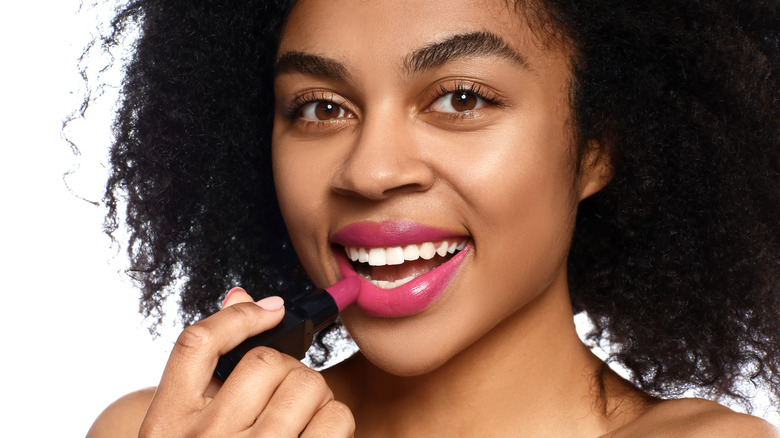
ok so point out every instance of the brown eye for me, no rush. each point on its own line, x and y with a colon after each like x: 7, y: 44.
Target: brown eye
x: 458, y: 102
x: 463, y: 101
x: 321, y: 111
x: 326, y: 110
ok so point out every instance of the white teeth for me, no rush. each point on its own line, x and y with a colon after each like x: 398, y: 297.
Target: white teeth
x: 411, y: 252
x: 404, y: 280
x: 395, y: 255
x: 427, y: 250
x: 377, y: 257
x: 390, y: 284
x: 442, y: 250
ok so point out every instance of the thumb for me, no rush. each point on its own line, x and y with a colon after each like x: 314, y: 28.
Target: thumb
x: 236, y: 295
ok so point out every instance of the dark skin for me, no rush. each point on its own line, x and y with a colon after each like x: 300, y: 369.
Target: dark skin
x: 515, y: 363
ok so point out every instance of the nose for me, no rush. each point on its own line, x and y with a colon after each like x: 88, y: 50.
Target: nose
x: 384, y: 161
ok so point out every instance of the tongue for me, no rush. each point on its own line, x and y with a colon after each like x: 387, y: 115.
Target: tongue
x: 406, y: 269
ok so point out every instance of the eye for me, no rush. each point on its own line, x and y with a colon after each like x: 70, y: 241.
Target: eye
x: 321, y: 111
x: 457, y: 102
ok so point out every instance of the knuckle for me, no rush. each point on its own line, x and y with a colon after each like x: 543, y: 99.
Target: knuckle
x: 240, y: 310
x: 340, y: 413
x: 308, y: 380
x: 194, y: 338
x: 264, y: 357
x: 334, y: 419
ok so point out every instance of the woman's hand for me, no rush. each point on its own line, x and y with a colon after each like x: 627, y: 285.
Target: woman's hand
x: 268, y: 394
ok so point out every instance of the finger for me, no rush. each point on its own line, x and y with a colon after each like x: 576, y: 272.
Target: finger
x: 334, y: 420
x: 194, y: 356
x: 214, y: 386
x: 298, y: 398
x: 236, y: 295
x: 247, y: 390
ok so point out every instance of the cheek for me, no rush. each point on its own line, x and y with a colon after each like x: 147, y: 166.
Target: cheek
x: 303, y: 168
x: 520, y: 202
x: 518, y: 174
x: 301, y: 182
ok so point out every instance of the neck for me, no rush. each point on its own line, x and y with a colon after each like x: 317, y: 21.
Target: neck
x: 531, y: 373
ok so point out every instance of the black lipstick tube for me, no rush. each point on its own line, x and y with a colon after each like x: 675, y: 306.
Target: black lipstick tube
x: 293, y: 336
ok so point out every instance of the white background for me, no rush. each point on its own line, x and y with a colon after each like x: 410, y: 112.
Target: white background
x: 72, y: 340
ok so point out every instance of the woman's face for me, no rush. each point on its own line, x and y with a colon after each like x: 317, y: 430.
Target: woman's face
x: 401, y: 124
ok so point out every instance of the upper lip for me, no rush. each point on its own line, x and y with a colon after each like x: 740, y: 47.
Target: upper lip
x: 388, y: 233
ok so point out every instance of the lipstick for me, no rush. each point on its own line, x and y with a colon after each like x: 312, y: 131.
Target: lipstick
x: 302, y: 319
x: 408, y: 299
x: 389, y: 233
x: 413, y: 296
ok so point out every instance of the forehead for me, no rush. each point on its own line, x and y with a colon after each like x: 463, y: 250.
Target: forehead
x: 388, y: 30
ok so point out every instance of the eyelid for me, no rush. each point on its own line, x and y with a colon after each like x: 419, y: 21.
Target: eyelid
x: 479, y: 90
x: 291, y: 110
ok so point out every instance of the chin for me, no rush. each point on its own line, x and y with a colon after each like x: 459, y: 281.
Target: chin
x: 406, y: 364
x: 398, y: 348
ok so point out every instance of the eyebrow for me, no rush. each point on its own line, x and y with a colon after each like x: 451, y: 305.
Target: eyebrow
x: 316, y: 65
x: 429, y: 57
x: 465, y: 45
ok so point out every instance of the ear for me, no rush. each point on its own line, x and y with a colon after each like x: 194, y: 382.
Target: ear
x: 595, y: 170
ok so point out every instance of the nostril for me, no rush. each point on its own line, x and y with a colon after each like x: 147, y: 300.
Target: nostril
x: 411, y: 187
x: 379, y: 189
x: 382, y: 173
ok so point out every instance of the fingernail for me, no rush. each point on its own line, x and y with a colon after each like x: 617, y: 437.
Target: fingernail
x: 271, y: 303
x: 230, y: 292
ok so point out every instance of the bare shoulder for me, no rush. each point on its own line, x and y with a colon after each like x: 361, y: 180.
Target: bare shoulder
x: 695, y: 418
x: 123, y: 417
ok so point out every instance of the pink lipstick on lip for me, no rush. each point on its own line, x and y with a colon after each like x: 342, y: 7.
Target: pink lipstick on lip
x: 407, y: 299
x: 388, y: 233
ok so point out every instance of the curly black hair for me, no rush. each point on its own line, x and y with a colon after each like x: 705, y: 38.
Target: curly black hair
x: 676, y: 261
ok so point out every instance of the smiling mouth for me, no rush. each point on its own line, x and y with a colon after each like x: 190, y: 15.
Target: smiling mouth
x: 394, y: 266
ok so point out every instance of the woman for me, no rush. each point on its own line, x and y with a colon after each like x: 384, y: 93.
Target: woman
x: 615, y: 157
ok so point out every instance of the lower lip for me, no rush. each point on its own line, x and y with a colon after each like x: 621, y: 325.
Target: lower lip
x: 405, y: 300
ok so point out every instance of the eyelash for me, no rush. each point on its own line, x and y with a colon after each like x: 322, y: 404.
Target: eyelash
x: 292, y: 110
x: 467, y: 87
